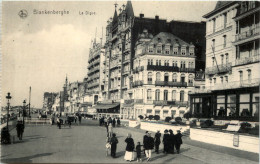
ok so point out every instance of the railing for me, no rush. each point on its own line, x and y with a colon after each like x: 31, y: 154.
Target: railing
x: 160, y: 102
x: 236, y: 84
x: 218, y: 69
x: 129, y: 101
x: 248, y: 60
x: 170, y: 83
x: 182, y: 103
x: 162, y: 68
x: 187, y: 69
x: 137, y: 83
x: 138, y: 69
x: 139, y: 101
x: 246, y: 34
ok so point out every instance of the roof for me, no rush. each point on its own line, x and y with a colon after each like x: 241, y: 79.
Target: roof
x: 106, y: 106
x: 165, y: 37
x: 219, y: 6
x: 129, y: 10
x: 114, y: 22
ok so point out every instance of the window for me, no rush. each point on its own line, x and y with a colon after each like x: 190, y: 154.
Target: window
x: 181, y: 96
x: 160, y: 62
x: 226, y: 79
x: 166, y: 77
x: 189, y: 96
x: 231, y: 105
x: 167, y: 49
x: 210, y: 81
x: 150, y: 79
x: 176, y: 64
x: 183, y: 51
x: 157, y: 94
x: 158, y: 76
x: 215, y: 80
x: 249, y: 76
x: 225, y: 20
x: 221, y: 79
x: 189, y: 66
x: 159, y: 49
x: 220, y: 106
x: 174, y: 95
x: 174, y: 77
x: 222, y: 59
x: 157, y: 112
x: 149, y: 112
x: 175, y: 51
x: 244, y: 105
x: 191, y: 51
x: 165, y: 95
x: 241, y: 76
x: 151, y: 48
x: 214, y: 24
x: 149, y: 62
x: 183, y: 78
x: 149, y: 94
x: 165, y: 113
x: 190, y: 79
x: 255, y: 104
x: 213, y: 45
x: 165, y: 63
x: 226, y: 58
x: 157, y: 62
x: 225, y: 41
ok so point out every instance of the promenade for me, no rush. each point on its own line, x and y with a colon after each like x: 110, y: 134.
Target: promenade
x: 85, y: 143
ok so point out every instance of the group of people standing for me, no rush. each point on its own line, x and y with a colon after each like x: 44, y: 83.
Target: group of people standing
x: 106, y: 121
x: 170, y: 143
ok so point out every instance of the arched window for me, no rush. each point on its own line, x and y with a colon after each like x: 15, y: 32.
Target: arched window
x: 150, y: 77
x: 158, y: 76
x: 166, y: 77
x: 157, y: 94
x: 190, y: 79
x: 150, y: 48
x: 174, y: 95
x: 182, y: 78
x: 174, y: 77
x: 149, y: 94
x: 159, y: 49
x: 181, y: 96
x: 165, y: 95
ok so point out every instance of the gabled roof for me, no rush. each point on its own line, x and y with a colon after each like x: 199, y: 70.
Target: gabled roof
x: 129, y: 10
x: 219, y: 6
x: 165, y: 37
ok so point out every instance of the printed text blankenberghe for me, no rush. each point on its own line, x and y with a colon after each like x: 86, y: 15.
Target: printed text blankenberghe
x: 49, y: 12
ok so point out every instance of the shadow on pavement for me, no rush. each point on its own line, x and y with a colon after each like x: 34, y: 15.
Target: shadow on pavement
x: 27, y: 159
x: 158, y: 157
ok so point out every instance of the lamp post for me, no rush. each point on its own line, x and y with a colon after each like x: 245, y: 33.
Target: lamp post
x: 24, y: 103
x: 8, y: 106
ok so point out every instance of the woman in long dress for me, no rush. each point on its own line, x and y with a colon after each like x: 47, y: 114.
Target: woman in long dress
x: 129, y: 154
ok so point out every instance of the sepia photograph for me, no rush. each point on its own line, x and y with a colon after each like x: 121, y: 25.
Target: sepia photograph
x: 118, y: 81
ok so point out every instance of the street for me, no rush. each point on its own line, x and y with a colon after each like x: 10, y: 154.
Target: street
x: 86, y: 144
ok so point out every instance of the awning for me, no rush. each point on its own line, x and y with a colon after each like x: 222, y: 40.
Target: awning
x: 106, y: 106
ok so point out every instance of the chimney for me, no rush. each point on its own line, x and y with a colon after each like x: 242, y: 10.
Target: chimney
x: 156, y: 17
x: 141, y: 15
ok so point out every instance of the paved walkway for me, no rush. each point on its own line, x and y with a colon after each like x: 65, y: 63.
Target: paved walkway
x: 86, y: 144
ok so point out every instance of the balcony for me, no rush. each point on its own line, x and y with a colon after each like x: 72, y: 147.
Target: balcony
x: 163, y: 103
x: 137, y: 83
x: 255, y: 31
x: 170, y: 84
x: 218, y: 69
x: 138, y: 101
x: 182, y: 103
x: 129, y: 101
x: 138, y: 69
x: 249, y: 60
x: 190, y: 70
x: 162, y: 68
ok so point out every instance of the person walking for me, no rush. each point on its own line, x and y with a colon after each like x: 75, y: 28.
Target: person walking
x: 171, y: 142
x: 114, y: 122
x: 130, y: 145
x: 76, y: 117
x: 69, y: 121
x: 139, y: 152
x: 178, y: 142
x: 110, y: 130
x: 113, y: 142
x: 80, y: 118
x: 118, y: 121
x: 166, y: 141
x: 58, y: 122
x: 20, y: 130
x: 157, y: 141
x: 148, y: 146
x: 144, y: 138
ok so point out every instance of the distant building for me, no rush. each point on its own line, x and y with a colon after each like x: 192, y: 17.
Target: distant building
x: 232, y: 63
x: 48, y: 100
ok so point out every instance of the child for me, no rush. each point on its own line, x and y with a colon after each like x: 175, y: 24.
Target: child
x: 108, y: 146
x: 138, y: 152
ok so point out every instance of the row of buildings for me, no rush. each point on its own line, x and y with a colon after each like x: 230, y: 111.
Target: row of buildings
x: 149, y: 66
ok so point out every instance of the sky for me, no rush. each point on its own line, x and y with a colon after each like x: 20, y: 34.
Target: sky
x: 41, y: 49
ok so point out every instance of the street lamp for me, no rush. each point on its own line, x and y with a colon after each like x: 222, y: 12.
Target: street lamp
x: 24, y: 103
x: 8, y: 106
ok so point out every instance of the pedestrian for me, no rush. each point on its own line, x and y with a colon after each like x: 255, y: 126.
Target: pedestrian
x: 79, y: 118
x: 110, y: 120
x: 178, y: 142
x: 76, y: 117
x: 130, y: 146
x: 105, y: 121
x: 106, y: 125
x: 110, y: 130
x: 157, y: 141
x: 69, y: 121
x: 100, y: 121
x: 139, y: 152
x: 144, y: 138
x: 118, y: 121
x: 148, y: 146
x: 114, y: 122
x: 58, y: 122
x: 171, y: 142
x: 108, y: 145
x: 113, y: 142
x: 20, y: 129
x: 166, y: 141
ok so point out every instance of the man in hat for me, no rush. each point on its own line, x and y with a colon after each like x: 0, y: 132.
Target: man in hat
x: 157, y: 141
x: 166, y: 141
x: 178, y: 141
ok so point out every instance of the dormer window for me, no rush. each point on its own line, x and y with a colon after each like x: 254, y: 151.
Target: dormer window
x: 150, y: 48
x: 175, y: 51
x: 159, y: 49
x: 191, y: 51
x: 167, y: 49
x: 183, y: 51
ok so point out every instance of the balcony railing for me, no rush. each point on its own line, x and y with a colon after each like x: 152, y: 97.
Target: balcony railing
x: 129, y: 101
x: 138, y: 69
x: 246, y: 34
x: 170, y: 83
x: 187, y: 69
x: 137, y: 83
x: 162, y: 68
x: 252, y: 59
x: 218, y: 69
x: 182, y: 103
x: 160, y: 102
x: 139, y: 101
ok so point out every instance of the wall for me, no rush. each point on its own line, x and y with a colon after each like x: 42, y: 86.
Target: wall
x: 246, y: 143
x: 155, y: 126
